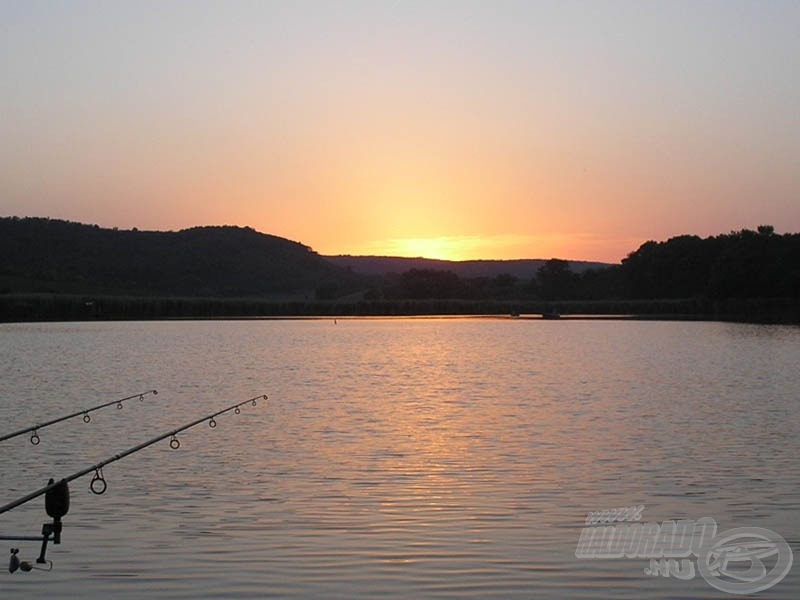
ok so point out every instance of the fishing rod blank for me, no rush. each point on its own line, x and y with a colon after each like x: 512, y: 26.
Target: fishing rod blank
x: 86, y: 418
x: 57, y: 493
x: 174, y: 443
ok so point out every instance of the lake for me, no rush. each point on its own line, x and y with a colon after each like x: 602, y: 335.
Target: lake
x: 395, y: 458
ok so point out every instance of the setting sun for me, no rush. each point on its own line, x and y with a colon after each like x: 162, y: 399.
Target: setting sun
x: 442, y: 248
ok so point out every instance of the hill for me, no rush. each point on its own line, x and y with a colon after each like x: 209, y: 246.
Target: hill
x: 524, y: 269
x: 740, y: 264
x: 48, y: 255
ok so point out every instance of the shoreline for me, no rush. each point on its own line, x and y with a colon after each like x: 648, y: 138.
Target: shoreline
x: 22, y: 308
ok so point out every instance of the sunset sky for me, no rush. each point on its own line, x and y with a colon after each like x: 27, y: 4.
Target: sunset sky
x: 453, y: 130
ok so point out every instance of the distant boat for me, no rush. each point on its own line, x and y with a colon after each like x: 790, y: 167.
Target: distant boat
x: 551, y: 314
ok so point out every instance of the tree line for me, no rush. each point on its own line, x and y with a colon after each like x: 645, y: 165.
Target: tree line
x: 48, y: 256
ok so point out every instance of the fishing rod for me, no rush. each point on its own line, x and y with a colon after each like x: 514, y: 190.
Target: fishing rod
x: 56, y: 493
x: 35, y: 439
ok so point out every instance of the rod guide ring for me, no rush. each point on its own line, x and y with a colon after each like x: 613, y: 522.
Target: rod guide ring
x: 98, y: 485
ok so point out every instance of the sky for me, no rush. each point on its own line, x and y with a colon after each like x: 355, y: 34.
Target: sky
x: 456, y: 130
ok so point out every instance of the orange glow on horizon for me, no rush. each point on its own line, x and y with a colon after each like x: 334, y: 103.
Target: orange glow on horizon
x: 498, y: 247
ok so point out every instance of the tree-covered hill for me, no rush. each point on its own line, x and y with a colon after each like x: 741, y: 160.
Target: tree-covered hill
x: 48, y: 255
x: 740, y: 264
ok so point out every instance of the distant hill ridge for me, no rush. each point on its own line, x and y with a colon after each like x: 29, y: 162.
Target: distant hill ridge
x: 50, y: 255
x: 520, y: 268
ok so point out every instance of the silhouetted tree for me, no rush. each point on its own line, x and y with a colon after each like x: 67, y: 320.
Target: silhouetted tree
x: 750, y: 265
x: 427, y: 283
x: 603, y: 284
x: 677, y: 268
x: 556, y: 280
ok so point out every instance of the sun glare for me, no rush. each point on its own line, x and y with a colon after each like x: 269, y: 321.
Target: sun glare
x: 455, y: 248
x: 442, y: 248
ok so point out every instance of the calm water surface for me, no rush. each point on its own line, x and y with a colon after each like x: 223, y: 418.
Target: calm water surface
x: 451, y: 458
